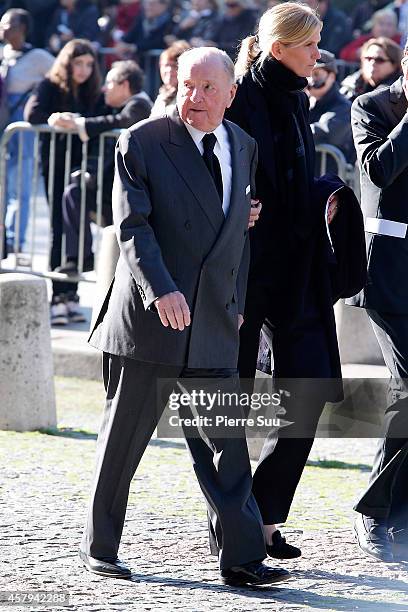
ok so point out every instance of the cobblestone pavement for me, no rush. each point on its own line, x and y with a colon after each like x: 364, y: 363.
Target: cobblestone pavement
x: 44, y: 484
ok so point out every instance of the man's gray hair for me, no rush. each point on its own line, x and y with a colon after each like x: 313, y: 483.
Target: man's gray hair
x: 199, y: 54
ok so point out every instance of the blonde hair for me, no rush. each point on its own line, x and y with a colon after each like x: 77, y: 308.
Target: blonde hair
x: 290, y: 23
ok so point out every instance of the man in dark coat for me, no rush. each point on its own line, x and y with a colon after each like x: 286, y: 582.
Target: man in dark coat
x: 125, y: 97
x: 238, y: 22
x: 380, y: 129
x: 329, y: 111
x: 181, y: 202
x: 148, y: 31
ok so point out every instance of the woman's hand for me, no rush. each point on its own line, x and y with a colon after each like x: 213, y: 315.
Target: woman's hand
x: 62, y: 120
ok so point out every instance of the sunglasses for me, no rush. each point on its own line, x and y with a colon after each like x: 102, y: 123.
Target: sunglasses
x: 232, y: 4
x: 376, y: 60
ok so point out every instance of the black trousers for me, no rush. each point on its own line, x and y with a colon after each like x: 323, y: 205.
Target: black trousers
x: 58, y: 287
x: 387, y: 494
x: 221, y: 464
x: 300, y: 355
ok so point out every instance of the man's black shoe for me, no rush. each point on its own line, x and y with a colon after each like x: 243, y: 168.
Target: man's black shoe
x: 373, y: 539
x: 280, y: 549
x: 106, y: 566
x: 255, y: 573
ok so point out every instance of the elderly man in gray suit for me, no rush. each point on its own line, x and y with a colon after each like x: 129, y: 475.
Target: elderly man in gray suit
x: 181, y: 202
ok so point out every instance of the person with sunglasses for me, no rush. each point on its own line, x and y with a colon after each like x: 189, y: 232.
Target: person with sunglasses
x: 380, y: 66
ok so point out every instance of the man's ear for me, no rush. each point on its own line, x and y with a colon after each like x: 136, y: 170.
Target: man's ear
x: 232, y: 94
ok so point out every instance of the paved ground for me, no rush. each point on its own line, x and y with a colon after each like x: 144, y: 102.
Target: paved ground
x: 44, y: 487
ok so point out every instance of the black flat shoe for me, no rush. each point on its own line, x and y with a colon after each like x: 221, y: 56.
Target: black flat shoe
x: 279, y: 549
x: 373, y: 539
x: 255, y: 573
x: 105, y: 566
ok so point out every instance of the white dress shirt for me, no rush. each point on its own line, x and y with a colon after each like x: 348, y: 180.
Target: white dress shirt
x: 223, y: 152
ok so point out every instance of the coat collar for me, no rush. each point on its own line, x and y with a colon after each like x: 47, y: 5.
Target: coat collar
x: 398, y: 100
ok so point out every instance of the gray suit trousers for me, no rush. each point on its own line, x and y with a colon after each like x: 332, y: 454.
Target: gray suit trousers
x: 221, y: 464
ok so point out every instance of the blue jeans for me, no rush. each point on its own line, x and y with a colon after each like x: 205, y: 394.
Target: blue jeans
x: 12, y: 203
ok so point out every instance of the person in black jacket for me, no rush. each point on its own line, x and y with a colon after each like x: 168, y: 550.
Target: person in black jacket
x: 238, y: 22
x: 148, y: 31
x: 380, y: 129
x: 73, y: 19
x: 329, y: 111
x: 289, y: 287
x: 73, y: 85
x: 123, y: 94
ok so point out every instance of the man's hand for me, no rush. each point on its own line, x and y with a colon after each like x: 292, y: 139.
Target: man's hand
x: 173, y: 309
x: 254, y: 213
x: 240, y: 321
x: 333, y: 207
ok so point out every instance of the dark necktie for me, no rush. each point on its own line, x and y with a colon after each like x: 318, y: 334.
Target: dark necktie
x: 212, y: 163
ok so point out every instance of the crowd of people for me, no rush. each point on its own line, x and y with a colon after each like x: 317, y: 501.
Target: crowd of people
x: 190, y: 265
x: 136, y: 26
x: 38, y: 75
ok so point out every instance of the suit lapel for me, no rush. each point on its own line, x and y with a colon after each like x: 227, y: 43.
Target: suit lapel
x: 186, y: 158
x: 238, y: 213
x: 398, y: 100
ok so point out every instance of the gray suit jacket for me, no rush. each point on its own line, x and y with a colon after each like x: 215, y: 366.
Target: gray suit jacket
x: 173, y: 236
x: 380, y: 129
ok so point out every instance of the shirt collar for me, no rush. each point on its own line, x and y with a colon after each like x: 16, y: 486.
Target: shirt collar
x: 198, y: 135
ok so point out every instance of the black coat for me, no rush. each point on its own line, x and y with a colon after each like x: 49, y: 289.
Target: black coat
x: 47, y: 99
x: 282, y: 258
x: 380, y: 128
x: 336, y: 32
x: 154, y: 38
x: 231, y: 31
x: 82, y: 21
x: 136, y: 109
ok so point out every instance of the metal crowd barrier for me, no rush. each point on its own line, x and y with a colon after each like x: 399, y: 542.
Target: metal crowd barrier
x: 347, y: 172
x: 26, y: 259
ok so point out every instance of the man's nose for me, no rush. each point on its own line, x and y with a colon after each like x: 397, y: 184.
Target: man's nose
x: 197, y: 94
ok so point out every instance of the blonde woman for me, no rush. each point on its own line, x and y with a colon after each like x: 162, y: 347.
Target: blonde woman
x: 289, y: 291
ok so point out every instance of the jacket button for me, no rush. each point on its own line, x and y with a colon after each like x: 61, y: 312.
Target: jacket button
x: 227, y: 306
x: 187, y: 225
x: 232, y: 271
